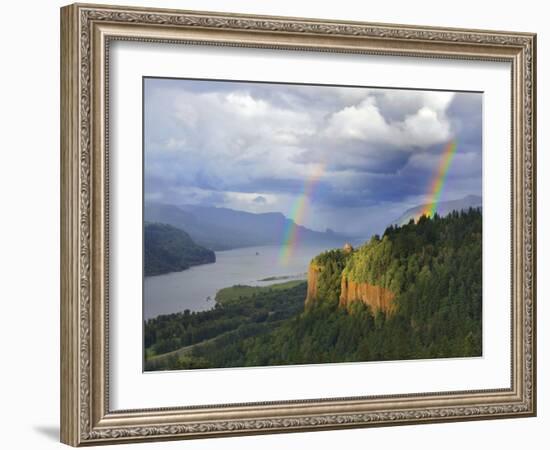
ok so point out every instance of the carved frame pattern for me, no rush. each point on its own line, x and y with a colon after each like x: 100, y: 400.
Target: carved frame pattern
x: 85, y: 416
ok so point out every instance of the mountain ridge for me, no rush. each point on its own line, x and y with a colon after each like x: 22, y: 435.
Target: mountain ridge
x: 443, y: 208
x: 224, y: 228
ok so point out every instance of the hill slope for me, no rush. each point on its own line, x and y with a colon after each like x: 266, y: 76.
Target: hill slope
x: 169, y: 249
x: 433, y: 270
x: 224, y: 228
x: 443, y: 208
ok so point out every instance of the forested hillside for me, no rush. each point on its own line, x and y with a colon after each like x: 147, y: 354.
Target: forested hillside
x: 443, y: 208
x: 240, y: 312
x: 169, y: 249
x: 433, y: 270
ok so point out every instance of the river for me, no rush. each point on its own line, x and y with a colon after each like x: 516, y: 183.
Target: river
x: 195, y: 289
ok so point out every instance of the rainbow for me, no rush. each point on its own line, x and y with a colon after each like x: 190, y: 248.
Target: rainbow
x: 438, y: 181
x: 297, y: 214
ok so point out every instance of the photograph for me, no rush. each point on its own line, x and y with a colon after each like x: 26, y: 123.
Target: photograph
x: 290, y: 220
x: 290, y: 224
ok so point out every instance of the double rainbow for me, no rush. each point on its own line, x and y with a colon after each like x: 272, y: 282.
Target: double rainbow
x: 299, y: 206
x: 438, y: 181
x: 297, y: 214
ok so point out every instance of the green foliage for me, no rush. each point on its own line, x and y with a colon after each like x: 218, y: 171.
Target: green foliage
x: 238, y: 292
x: 434, y: 267
x: 245, y: 313
x: 331, y: 264
x: 169, y: 249
x: 403, y: 254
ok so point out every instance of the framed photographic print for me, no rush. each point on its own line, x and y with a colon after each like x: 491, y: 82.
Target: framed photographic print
x: 276, y: 224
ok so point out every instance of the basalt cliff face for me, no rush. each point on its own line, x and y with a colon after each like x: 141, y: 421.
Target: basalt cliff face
x: 312, y: 283
x: 377, y: 297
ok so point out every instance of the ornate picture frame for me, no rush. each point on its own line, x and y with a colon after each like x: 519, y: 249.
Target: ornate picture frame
x: 87, y: 31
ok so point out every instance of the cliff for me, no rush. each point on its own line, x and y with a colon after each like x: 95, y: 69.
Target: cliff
x: 312, y: 283
x: 377, y: 297
x: 400, y: 263
x: 327, y: 280
x: 323, y: 277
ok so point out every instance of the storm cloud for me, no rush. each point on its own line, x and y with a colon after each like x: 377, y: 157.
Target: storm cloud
x: 253, y: 146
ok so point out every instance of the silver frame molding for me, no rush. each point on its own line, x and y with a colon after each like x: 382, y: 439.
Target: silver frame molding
x: 86, y: 31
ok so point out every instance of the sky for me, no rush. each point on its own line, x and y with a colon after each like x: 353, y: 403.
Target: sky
x: 362, y: 155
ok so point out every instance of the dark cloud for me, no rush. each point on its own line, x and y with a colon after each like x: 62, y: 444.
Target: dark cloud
x: 255, y: 145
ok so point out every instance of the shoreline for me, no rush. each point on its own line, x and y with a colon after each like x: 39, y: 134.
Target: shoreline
x: 242, y: 287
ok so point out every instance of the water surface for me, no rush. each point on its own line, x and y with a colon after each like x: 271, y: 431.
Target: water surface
x: 195, y: 289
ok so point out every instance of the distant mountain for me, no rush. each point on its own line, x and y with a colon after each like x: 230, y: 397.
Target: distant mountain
x: 169, y: 249
x: 443, y: 208
x: 210, y: 236
x: 224, y: 228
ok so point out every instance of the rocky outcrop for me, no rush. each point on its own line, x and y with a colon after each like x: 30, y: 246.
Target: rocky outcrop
x: 377, y: 297
x: 312, y: 283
